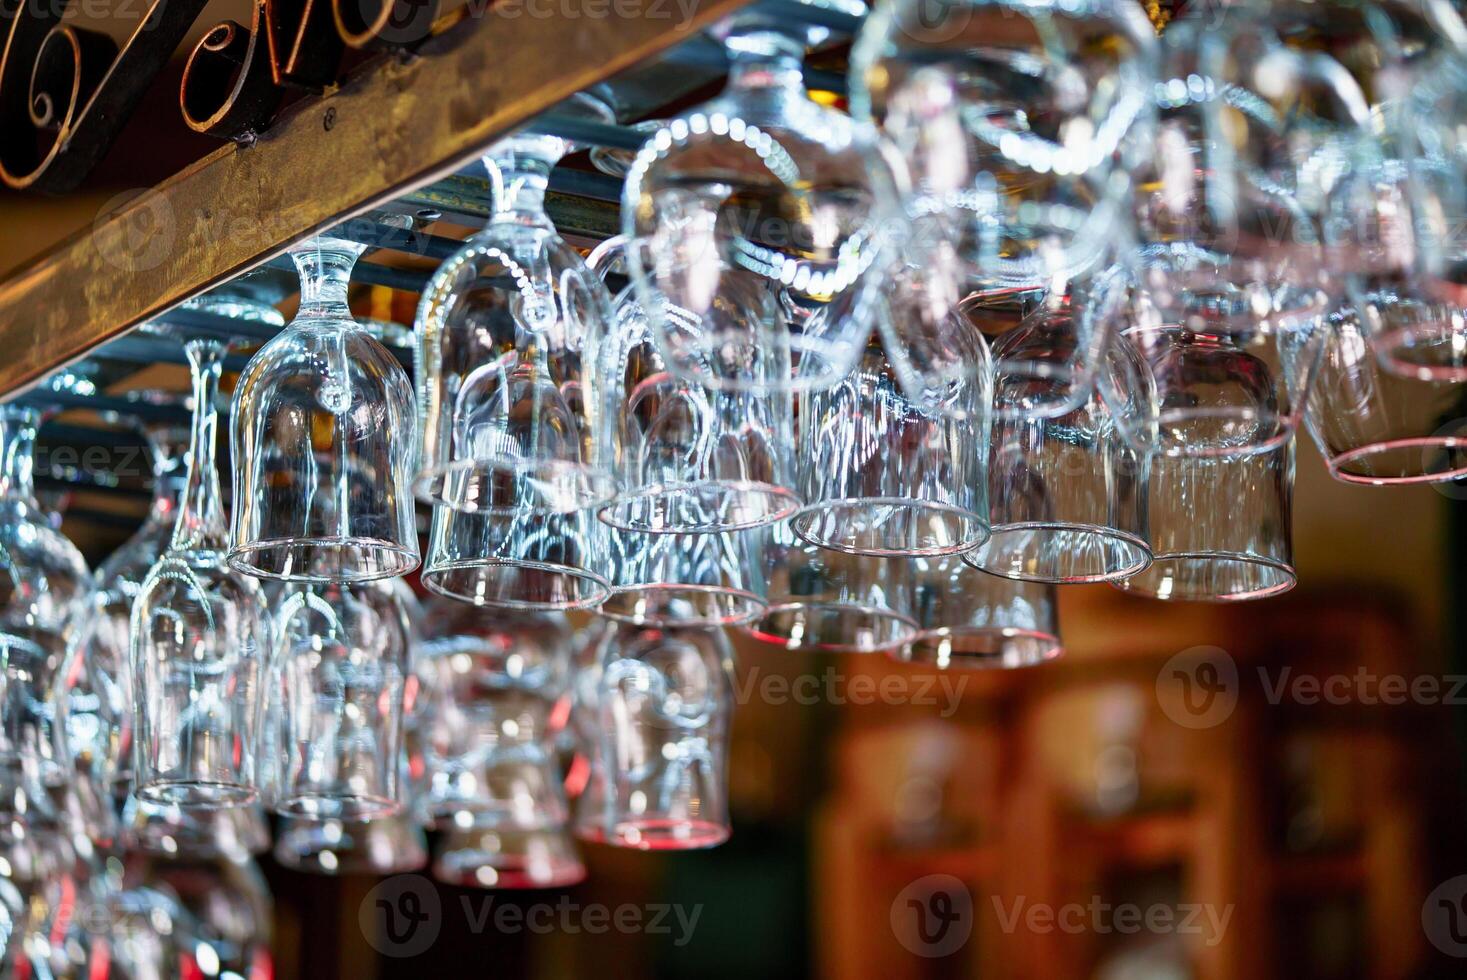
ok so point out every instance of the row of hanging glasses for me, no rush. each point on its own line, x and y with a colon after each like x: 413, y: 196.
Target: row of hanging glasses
x: 1047, y: 306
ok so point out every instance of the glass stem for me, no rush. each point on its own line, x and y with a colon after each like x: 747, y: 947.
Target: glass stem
x: 765, y: 60
x: 17, y: 451
x: 325, y: 266
x: 168, y: 449
x: 201, y: 521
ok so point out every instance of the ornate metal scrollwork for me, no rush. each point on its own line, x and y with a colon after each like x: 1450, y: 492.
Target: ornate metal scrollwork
x: 65, y: 93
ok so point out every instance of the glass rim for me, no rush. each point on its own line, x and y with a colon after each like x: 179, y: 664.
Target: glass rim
x: 407, y: 559
x: 434, y: 571
x: 800, y: 519
x: 757, y: 632
x: 352, y: 807
x: 1287, y: 577
x: 606, y: 511
x: 1286, y: 425
x: 755, y: 604
x: 1338, y: 461
x: 1053, y: 647
x: 593, y: 484
x: 165, y: 791
x: 711, y: 834
x: 1127, y: 539
x: 1389, y: 346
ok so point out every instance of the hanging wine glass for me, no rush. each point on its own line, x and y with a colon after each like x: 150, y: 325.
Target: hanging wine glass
x: 1376, y: 427
x: 323, y: 441
x: 341, y: 657
x: 42, y: 591
x: 46, y: 859
x: 761, y: 191
x: 1018, y: 121
x: 228, y: 915
x: 695, y: 466
x: 1221, y: 527
x: 509, y: 332
x: 688, y: 458
x: 1067, y: 494
x: 98, y: 723
x: 497, y: 689
x: 836, y: 601
x: 199, y: 640
x: 970, y: 619
x: 1382, y: 148
x: 886, y: 475
x: 381, y: 845
x: 665, y: 707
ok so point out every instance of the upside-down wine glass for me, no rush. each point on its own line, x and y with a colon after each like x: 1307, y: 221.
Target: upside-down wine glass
x: 43, y: 580
x: 835, y: 601
x: 100, y: 738
x: 200, y: 640
x: 970, y: 619
x: 696, y: 466
x: 762, y: 190
x: 497, y: 691
x: 1018, y: 121
x: 341, y: 659
x: 323, y: 441
x: 509, y: 333
x: 884, y: 474
x: 664, y: 710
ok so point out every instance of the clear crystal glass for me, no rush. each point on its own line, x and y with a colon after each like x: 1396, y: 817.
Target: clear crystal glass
x: 969, y: 619
x: 1222, y: 373
x: 200, y: 640
x: 1221, y: 527
x: 497, y: 690
x: 42, y: 590
x: 1067, y: 495
x: 381, y: 845
x: 688, y: 458
x: 98, y: 727
x: 695, y: 465
x: 822, y: 599
x: 884, y: 474
x: 1018, y: 121
x: 509, y: 332
x: 323, y: 441
x: 665, y: 708
x: 1377, y: 427
x: 341, y: 657
x: 761, y: 189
